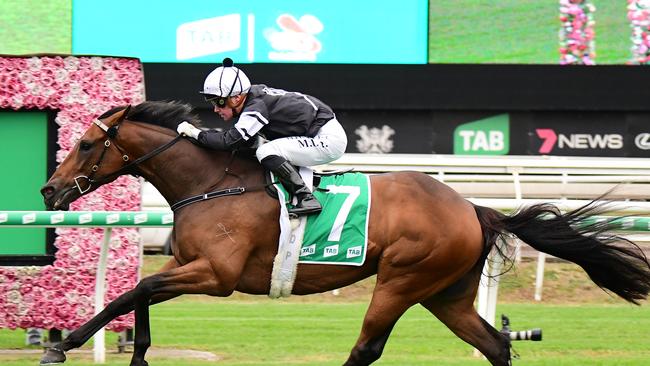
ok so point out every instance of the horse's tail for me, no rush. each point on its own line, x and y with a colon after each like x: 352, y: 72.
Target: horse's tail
x: 612, y: 262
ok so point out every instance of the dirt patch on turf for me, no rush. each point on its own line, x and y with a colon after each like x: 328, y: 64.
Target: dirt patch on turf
x: 87, y: 354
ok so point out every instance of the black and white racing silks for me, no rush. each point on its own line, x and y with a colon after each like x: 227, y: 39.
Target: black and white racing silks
x: 272, y: 113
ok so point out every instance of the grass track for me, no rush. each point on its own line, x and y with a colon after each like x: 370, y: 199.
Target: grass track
x: 284, y: 333
x: 582, y: 326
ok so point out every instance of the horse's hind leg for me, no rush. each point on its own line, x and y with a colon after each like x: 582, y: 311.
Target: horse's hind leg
x: 455, y: 308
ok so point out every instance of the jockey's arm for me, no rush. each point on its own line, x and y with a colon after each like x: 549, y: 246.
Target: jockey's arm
x: 229, y: 139
x: 247, y: 126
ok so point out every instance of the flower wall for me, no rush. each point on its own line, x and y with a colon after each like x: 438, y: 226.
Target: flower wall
x: 577, y: 46
x: 61, y: 295
x: 638, y: 12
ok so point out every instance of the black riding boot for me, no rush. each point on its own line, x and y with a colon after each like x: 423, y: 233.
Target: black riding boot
x: 292, y: 181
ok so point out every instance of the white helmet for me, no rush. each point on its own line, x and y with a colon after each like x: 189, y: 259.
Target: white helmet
x: 225, y: 81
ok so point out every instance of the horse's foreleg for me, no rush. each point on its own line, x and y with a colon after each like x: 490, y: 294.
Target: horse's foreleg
x: 124, y: 304
x: 120, y: 306
x: 193, y: 278
x: 384, y: 311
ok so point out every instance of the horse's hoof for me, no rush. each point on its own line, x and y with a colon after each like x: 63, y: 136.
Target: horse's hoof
x: 139, y: 363
x: 53, y: 356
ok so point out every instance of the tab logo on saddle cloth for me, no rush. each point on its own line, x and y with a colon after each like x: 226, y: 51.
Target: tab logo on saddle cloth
x: 338, y: 235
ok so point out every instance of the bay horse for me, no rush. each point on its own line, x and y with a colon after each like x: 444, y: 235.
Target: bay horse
x: 427, y: 245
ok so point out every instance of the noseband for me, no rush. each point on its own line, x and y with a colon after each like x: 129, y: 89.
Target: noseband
x: 111, y: 134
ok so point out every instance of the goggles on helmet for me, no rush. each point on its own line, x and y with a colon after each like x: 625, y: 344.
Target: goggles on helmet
x: 216, y: 101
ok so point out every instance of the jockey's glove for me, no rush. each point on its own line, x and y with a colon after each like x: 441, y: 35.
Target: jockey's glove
x: 187, y: 129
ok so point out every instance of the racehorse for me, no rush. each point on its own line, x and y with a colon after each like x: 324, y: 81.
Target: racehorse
x: 427, y: 245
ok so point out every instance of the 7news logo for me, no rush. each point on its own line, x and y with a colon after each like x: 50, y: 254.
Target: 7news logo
x: 577, y: 141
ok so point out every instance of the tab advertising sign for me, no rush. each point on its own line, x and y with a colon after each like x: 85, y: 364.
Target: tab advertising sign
x: 333, y: 31
x: 488, y: 136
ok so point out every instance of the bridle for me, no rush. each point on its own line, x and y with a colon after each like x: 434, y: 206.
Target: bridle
x: 111, y: 135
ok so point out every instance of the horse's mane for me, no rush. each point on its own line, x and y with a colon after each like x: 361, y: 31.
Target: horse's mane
x: 161, y: 113
x: 169, y: 114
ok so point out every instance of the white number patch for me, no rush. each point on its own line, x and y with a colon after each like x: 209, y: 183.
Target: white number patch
x: 353, y: 192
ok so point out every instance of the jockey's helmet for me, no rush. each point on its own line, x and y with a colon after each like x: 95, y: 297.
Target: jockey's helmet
x: 225, y: 81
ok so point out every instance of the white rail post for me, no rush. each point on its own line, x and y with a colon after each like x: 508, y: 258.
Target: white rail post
x: 488, y: 290
x: 518, y: 198
x: 539, y: 280
x: 99, y: 348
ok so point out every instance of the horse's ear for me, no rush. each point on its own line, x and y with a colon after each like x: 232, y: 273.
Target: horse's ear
x: 125, y: 113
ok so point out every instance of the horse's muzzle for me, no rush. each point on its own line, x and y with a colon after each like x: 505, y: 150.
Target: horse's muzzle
x: 56, y: 199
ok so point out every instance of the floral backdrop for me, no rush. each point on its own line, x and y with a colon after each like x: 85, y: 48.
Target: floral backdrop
x: 61, y: 295
x: 639, y: 16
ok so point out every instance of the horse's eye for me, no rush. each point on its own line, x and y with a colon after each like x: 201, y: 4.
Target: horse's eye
x: 85, y: 145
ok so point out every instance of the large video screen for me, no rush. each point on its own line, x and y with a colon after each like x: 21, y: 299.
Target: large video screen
x: 534, y: 32
x: 333, y: 31
x: 35, y: 27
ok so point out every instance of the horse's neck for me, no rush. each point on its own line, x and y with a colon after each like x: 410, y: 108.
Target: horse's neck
x: 185, y: 170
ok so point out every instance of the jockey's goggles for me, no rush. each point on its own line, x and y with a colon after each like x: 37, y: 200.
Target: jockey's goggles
x: 216, y: 101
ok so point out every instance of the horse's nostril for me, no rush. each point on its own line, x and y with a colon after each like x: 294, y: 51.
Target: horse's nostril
x: 47, y: 191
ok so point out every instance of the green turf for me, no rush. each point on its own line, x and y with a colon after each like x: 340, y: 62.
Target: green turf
x: 284, y: 333
x: 518, y: 31
x: 35, y: 26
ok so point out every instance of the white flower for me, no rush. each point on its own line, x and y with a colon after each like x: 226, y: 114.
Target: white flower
x: 96, y: 63
x: 25, y: 76
x: 71, y: 63
x: 34, y: 63
x: 74, y: 250
x: 61, y: 75
x: 14, y: 296
x: 82, y: 311
x: 23, y: 309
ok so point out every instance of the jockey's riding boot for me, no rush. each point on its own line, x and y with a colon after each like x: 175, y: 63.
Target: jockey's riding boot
x: 292, y: 181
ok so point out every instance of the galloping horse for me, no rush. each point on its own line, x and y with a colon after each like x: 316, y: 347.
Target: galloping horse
x: 427, y: 245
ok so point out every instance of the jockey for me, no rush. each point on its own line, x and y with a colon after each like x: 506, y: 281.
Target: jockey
x: 301, y: 129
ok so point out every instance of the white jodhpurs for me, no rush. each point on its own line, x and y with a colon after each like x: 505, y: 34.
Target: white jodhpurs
x: 328, y: 145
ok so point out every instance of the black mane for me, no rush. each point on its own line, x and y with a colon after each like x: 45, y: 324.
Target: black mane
x: 164, y: 114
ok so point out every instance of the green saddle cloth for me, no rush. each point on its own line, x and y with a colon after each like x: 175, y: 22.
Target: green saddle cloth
x: 339, y: 233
